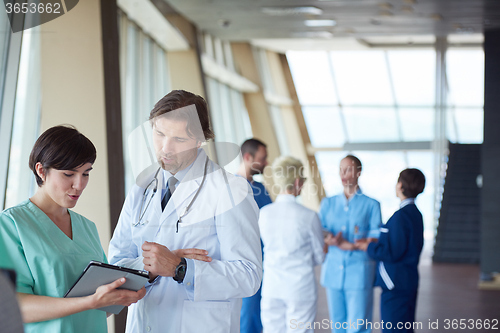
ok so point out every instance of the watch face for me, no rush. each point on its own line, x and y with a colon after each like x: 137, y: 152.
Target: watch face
x: 180, y: 272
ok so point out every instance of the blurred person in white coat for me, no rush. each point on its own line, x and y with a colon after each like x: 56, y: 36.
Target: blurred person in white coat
x: 293, y: 245
x: 188, y: 202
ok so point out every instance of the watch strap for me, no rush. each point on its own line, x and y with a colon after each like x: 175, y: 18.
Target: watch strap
x: 180, y: 271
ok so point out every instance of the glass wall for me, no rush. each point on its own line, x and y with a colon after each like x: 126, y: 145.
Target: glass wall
x: 20, y: 97
x: 144, y: 80
x: 228, y: 112
x: 386, y: 96
x: 270, y: 90
x: 21, y: 183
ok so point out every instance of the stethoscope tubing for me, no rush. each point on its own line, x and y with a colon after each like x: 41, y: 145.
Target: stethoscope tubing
x: 155, y: 180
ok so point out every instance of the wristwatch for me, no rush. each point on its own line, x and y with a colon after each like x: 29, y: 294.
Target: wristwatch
x: 180, y: 271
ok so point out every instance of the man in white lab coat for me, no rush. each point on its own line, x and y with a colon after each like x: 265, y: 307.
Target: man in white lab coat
x: 293, y: 245
x: 188, y: 202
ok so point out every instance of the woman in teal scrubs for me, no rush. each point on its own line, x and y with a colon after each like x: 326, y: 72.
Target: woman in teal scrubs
x: 50, y: 245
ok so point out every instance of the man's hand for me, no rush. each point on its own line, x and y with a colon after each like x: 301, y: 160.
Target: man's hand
x: 159, y: 260
x: 196, y: 254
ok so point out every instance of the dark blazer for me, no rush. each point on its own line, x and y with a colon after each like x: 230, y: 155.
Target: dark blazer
x: 398, y: 250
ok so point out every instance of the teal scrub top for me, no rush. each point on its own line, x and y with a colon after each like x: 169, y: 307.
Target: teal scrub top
x: 48, y: 262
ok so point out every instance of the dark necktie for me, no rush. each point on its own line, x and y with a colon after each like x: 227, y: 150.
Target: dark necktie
x: 170, y: 190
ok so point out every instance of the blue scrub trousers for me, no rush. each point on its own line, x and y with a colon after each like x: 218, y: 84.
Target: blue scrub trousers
x: 250, y: 314
x: 347, y: 306
x: 398, y: 307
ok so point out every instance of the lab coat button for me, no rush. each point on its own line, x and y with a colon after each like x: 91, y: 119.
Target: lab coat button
x: 148, y: 329
x: 189, y: 283
x: 341, y: 267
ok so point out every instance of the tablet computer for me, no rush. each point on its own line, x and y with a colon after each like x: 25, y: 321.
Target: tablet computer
x: 97, y: 274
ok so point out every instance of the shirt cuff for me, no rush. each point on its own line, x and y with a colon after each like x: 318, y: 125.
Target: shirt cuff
x: 149, y: 284
x: 189, y: 278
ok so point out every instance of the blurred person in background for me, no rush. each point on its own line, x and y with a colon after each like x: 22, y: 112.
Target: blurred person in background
x: 254, y: 160
x: 398, y: 252
x: 293, y: 245
x: 348, y: 274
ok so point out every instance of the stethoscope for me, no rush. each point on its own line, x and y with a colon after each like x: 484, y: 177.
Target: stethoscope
x: 155, y: 188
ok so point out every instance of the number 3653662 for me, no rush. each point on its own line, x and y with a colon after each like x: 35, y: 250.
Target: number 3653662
x: 40, y: 8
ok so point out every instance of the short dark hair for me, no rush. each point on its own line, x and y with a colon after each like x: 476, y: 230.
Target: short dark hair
x: 61, y: 148
x: 251, y: 146
x: 356, y: 161
x: 412, y: 182
x: 177, y: 99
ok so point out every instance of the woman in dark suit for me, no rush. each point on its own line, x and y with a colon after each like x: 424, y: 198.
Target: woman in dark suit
x: 398, y: 251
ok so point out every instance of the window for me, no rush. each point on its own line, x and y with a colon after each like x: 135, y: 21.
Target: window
x: 145, y: 80
x: 386, y: 96
x: 229, y: 115
x: 21, y: 183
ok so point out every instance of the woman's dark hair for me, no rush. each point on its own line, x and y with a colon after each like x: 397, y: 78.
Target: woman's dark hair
x: 177, y: 99
x: 412, y: 182
x: 61, y: 148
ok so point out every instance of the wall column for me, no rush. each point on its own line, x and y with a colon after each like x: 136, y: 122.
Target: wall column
x: 490, y: 222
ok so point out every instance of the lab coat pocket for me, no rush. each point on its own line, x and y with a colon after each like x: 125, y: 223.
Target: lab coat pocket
x: 213, y: 317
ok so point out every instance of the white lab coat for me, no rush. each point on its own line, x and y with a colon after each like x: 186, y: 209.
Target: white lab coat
x: 223, y: 221
x: 293, y: 245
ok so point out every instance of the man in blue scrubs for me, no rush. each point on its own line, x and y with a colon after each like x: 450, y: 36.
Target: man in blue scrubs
x: 254, y: 154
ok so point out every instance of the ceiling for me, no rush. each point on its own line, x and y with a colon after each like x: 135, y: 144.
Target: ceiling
x: 358, y: 23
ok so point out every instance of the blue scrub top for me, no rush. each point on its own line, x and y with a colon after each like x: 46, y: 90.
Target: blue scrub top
x: 260, y: 194
x: 359, y: 217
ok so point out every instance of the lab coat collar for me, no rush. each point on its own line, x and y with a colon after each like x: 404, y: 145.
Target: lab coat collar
x: 285, y: 198
x: 407, y: 202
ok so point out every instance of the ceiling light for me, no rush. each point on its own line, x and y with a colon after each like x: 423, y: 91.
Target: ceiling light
x: 320, y: 23
x: 290, y: 11
x: 312, y: 34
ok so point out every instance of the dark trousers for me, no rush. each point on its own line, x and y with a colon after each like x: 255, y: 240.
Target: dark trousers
x: 250, y: 314
x: 397, y: 309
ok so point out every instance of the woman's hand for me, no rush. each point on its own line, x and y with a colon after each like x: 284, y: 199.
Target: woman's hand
x: 332, y: 240
x: 36, y: 308
x: 108, y: 294
x: 196, y: 254
x: 339, y: 241
x: 362, y: 244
